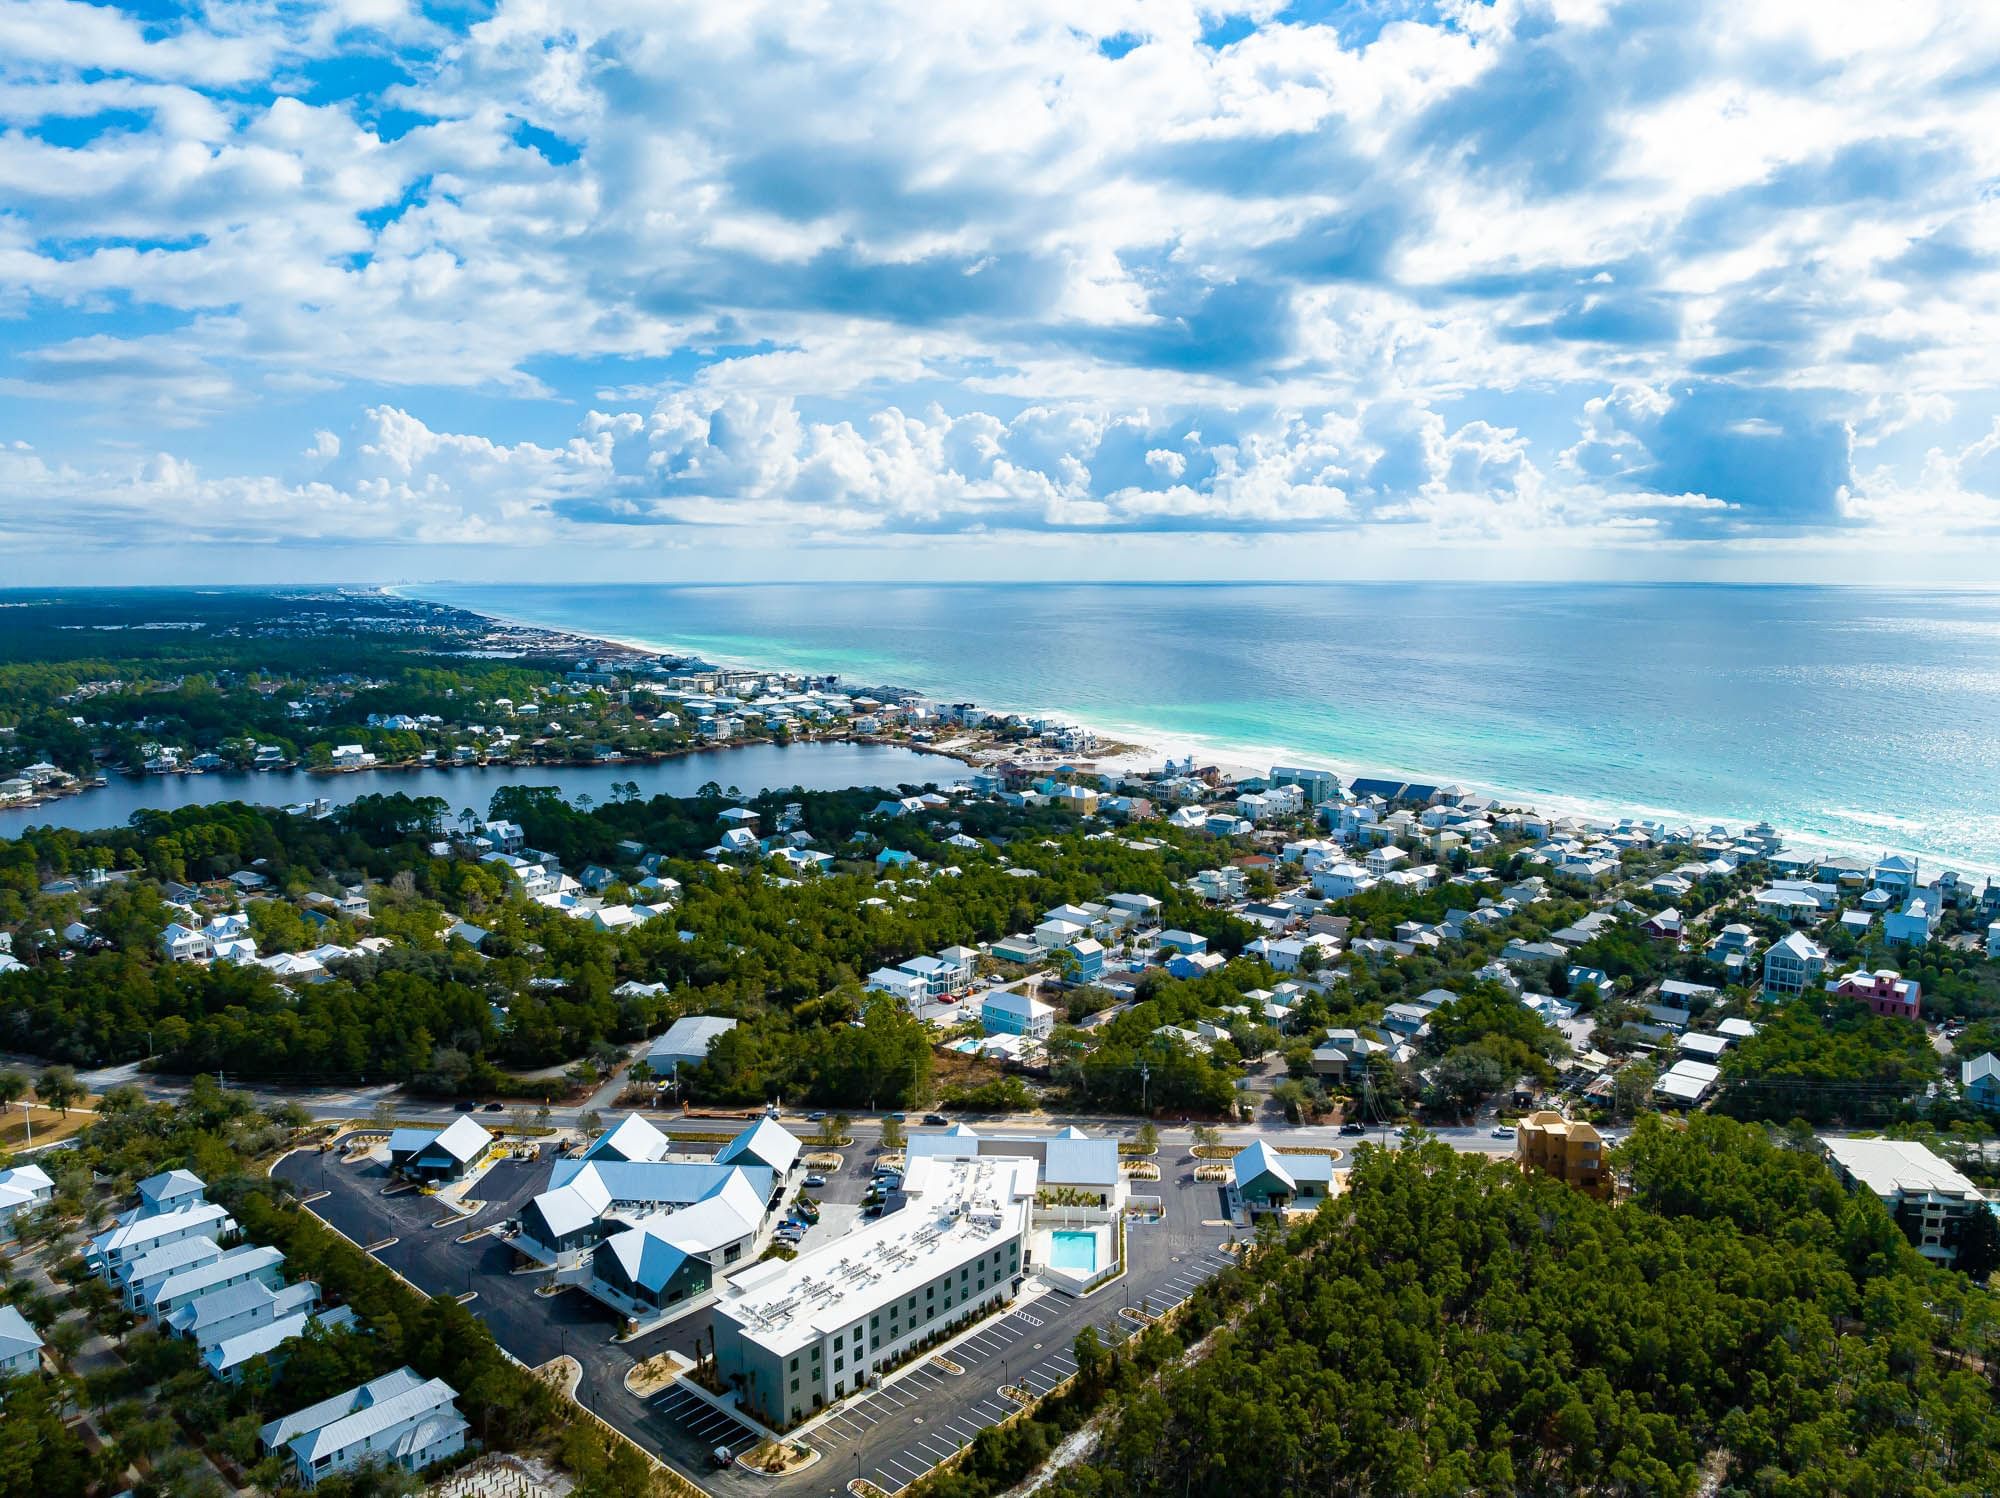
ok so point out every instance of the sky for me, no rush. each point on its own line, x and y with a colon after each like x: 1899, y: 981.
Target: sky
x: 634, y: 289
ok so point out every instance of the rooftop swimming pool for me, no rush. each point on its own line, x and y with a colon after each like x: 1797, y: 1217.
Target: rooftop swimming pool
x: 1072, y: 1250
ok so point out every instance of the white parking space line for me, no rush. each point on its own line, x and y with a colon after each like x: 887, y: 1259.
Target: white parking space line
x: 943, y: 1449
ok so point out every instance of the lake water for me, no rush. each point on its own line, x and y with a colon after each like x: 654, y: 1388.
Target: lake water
x: 750, y: 768
x: 1849, y: 716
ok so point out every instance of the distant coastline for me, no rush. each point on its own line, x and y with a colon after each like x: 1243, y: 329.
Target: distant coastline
x: 1152, y: 748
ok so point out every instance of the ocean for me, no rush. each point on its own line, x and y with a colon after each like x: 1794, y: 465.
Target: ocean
x: 1849, y: 717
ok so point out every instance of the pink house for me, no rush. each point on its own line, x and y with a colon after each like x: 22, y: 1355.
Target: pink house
x: 1884, y: 991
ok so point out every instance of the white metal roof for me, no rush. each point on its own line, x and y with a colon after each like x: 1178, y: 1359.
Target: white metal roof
x: 1892, y: 1167
x: 955, y: 1209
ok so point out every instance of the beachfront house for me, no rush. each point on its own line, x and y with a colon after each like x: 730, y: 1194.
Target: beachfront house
x: 1916, y: 922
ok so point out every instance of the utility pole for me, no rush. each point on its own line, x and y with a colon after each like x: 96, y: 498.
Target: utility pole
x: 1145, y: 1080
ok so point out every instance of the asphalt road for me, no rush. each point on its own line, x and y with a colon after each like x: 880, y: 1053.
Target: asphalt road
x: 898, y: 1431
x: 331, y: 1104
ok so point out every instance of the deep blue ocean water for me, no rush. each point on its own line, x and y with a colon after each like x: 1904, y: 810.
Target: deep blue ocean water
x: 1850, y: 716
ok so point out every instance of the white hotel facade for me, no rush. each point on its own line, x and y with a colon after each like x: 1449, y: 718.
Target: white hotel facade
x: 795, y: 1336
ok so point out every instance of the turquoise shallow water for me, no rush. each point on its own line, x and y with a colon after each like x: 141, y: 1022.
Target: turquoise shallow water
x: 1855, y: 716
x: 1068, y: 1250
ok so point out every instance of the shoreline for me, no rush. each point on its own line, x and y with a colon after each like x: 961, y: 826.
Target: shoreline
x: 1154, y: 748
x: 316, y: 778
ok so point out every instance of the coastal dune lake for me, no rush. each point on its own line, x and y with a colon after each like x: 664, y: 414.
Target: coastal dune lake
x: 1862, y: 716
x: 750, y: 768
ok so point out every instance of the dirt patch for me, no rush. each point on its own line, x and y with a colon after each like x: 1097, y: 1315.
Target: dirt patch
x: 778, y: 1458
x: 45, y: 1125
x: 648, y: 1378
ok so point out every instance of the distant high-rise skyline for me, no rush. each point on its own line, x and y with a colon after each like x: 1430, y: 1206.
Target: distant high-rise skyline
x: 374, y: 290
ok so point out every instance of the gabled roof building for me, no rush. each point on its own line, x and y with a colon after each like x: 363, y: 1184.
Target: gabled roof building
x: 400, y: 1418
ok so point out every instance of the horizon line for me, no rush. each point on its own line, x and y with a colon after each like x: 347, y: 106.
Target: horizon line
x: 908, y: 583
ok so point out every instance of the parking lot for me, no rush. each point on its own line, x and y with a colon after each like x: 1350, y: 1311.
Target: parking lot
x: 892, y: 1435
x: 927, y: 1415
x: 717, y: 1429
